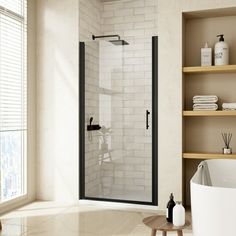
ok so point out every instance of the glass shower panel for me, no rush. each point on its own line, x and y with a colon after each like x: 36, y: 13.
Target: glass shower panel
x: 118, y: 98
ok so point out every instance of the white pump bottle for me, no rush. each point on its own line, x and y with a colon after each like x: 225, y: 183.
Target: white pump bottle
x: 221, y: 52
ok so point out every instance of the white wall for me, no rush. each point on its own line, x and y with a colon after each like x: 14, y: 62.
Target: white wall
x: 57, y: 100
x: 89, y: 24
x: 89, y: 19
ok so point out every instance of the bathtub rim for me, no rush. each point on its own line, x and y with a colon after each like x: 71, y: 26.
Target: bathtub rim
x: 209, y: 186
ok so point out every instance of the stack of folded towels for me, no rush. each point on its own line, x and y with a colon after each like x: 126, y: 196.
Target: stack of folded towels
x: 229, y: 106
x: 205, y: 103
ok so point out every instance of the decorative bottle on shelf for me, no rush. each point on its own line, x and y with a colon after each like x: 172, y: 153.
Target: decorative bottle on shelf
x: 206, y: 56
x: 178, y: 215
x: 169, y: 209
x: 221, y: 52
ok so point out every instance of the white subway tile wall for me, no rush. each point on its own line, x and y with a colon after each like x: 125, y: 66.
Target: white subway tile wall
x: 118, y: 93
x: 89, y: 24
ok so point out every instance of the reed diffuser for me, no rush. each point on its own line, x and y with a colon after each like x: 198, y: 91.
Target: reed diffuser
x: 227, y: 139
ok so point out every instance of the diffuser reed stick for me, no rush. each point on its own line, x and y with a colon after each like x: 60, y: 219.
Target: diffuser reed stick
x: 227, y: 139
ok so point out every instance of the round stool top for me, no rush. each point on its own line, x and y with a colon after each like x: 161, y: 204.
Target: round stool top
x: 160, y: 223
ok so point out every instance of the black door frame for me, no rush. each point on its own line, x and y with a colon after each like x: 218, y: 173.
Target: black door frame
x: 154, y: 128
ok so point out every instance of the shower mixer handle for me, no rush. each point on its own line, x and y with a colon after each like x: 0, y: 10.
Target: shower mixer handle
x: 90, y: 120
x: 91, y: 127
x: 147, y: 122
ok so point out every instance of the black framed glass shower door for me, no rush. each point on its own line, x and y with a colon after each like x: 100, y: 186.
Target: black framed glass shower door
x: 119, y: 121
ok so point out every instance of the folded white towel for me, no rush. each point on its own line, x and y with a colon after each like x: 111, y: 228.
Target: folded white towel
x: 205, y: 107
x: 205, y: 99
x: 229, y: 106
x: 229, y: 109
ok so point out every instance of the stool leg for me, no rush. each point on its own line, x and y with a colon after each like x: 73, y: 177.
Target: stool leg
x: 180, y: 233
x: 164, y: 233
x: 0, y: 225
x: 153, y: 232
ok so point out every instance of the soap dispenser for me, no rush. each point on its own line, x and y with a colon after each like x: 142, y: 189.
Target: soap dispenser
x: 221, y: 52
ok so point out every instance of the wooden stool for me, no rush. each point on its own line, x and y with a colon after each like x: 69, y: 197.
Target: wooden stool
x: 159, y: 223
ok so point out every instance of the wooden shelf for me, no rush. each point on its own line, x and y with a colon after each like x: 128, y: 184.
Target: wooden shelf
x: 209, y: 113
x: 210, y: 69
x: 197, y: 79
x: 208, y: 156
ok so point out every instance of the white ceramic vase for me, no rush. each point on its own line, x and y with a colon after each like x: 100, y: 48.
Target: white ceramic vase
x: 178, y: 214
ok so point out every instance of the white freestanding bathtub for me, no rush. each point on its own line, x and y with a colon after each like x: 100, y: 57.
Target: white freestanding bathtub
x: 213, y: 198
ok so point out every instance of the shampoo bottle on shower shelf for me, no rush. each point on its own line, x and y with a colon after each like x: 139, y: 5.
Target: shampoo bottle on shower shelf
x: 178, y: 215
x: 221, y: 52
x: 169, y: 209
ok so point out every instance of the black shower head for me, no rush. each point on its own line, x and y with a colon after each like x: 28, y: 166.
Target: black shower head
x: 117, y: 42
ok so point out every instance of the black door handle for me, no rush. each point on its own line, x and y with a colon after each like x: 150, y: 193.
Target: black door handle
x: 147, y: 122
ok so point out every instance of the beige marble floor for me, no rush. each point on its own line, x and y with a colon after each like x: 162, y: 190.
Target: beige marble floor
x: 54, y: 219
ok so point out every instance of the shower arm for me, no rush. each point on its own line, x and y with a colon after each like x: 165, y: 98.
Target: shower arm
x: 106, y: 36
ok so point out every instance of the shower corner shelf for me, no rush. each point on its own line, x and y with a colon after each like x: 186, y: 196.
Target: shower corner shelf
x: 209, y: 113
x: 210, y: 69
x: 191, y: 155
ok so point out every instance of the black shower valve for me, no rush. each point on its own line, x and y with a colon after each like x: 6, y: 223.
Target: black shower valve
x: 91, y: 127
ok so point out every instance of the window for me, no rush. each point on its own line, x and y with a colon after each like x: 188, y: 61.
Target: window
x: 13, y: 98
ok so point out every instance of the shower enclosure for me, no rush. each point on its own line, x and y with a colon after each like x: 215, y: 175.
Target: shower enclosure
x: 118, y: 119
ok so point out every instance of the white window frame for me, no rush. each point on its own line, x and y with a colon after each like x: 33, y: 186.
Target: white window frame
x: 22, y: 198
